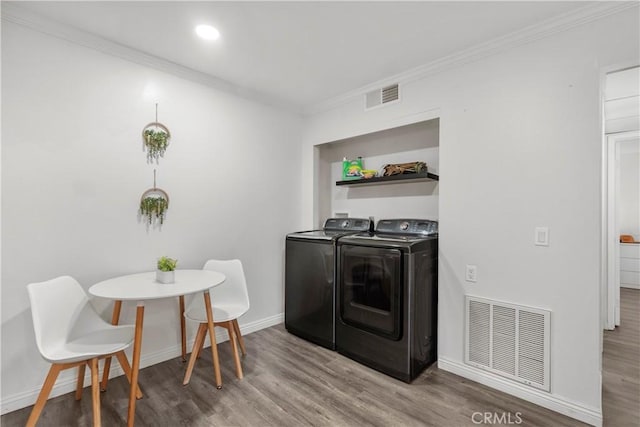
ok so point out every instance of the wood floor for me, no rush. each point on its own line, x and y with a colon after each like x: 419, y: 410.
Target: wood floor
x: 290, y: 382
x: 621, y: 365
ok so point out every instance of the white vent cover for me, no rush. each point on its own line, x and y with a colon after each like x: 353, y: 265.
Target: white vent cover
x: 383, y: 96
x: 509, y: 340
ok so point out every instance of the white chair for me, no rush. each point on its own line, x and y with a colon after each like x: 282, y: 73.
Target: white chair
x: 229, y: 301
x: 69, y: 333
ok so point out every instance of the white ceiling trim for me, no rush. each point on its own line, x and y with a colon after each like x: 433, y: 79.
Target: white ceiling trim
x: 518, y: 38
x: 39, y: 23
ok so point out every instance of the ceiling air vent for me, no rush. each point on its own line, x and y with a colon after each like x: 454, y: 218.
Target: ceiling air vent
x: 508, y: 340
x: 383, y: 96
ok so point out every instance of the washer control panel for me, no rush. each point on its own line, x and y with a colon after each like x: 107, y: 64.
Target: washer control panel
x: 408, y: 226
x: 348, y: 224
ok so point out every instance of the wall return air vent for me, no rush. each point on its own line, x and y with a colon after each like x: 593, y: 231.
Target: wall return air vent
x: 378, y: 97
x: 508, y: 340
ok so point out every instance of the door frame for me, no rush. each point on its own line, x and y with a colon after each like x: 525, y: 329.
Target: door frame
x: 611, y: 226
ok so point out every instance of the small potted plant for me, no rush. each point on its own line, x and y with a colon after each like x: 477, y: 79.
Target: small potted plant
x: 166, y: 270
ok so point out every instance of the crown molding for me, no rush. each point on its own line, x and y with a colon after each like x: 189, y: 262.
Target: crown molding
x: 518, y: 38
x: 15, y: 14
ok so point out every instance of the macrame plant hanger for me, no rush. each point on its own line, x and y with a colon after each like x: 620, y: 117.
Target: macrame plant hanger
x: 152, y: 207
x: 154, y: 140
x: 159, y: 192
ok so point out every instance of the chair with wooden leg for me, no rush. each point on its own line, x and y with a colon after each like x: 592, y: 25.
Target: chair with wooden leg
x: 229, y: 301
x: 70, y: 333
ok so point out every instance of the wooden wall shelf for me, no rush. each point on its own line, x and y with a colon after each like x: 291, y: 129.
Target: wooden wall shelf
x: 397, y: 179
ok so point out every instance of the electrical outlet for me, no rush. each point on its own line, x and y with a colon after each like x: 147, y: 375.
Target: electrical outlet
x: 541, y: 237
x: 471, y: 273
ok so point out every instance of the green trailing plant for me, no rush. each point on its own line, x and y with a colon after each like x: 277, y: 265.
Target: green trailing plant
x: 156, y: 141
x: 167, y: 264
x: 154, y: 206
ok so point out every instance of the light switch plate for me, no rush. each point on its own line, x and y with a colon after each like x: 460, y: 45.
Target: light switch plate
x: 541, y: 237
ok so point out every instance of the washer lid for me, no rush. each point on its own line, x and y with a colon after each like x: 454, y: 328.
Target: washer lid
x: 317, y: 235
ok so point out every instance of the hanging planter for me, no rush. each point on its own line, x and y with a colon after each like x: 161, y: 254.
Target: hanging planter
x: 154, y: 203
x: 156, y: 138
x: 154, y: 206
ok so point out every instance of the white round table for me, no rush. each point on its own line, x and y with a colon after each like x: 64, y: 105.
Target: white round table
x: 143, y: 286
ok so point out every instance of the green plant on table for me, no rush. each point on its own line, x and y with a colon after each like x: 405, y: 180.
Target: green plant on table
x: 167, y: 264
x: 156, y: 141
x: 154, y: 206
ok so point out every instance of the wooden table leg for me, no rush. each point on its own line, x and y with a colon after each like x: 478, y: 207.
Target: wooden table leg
x: 135, y: 364
x: 115, y: 319
x: 183, y: 330
x: 212, y: 339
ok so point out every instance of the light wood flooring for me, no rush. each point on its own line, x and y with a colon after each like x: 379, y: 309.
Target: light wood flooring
x: 290, y: 382
x: 621, y: 365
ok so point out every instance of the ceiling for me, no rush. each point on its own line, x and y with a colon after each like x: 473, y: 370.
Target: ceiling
x: 301, y: 53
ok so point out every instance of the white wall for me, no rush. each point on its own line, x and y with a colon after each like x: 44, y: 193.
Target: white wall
x: 73, y: 171
x: 520, y: 147
x: 629, y: 197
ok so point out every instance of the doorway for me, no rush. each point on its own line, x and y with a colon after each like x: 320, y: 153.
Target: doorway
x: 621, y: 147
x: 622, y: 125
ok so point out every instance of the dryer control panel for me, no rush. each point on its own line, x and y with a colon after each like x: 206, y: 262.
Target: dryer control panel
x: 424, y: 227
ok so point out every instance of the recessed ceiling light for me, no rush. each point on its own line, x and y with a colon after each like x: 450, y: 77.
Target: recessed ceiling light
x: 207, y: 32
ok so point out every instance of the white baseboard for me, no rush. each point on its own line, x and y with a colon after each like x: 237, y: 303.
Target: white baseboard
x: 551, y: 401
x: 67, y: 384
x: 630, y: 285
